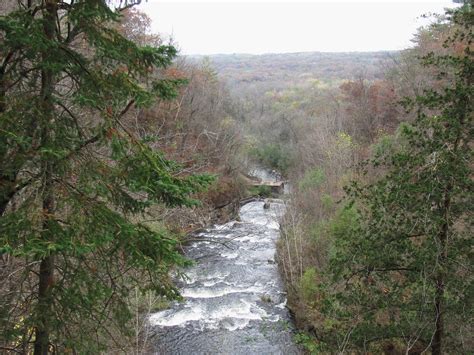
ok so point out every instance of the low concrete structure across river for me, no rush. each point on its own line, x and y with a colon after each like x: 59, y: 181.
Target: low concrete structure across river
x: 277, y: 187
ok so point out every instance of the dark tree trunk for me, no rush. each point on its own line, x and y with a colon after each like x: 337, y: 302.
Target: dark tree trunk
x: 46, y: 280
x: 7, y: 194
x: 437, y: 345
x: 46, y: 275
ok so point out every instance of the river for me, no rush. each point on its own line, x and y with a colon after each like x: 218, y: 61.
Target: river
x: 234, y: 297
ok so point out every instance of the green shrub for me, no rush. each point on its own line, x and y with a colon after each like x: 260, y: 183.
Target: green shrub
x: 308, y: 342
x: 272, y: 156
x: 384, y: 146
x: 327, y: 201
x: 312, y: 179
x: 344, y: 223
x: 308, y: 286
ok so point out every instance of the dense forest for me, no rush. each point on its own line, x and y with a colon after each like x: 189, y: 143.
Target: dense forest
x: 376, y: 245
x: 108, y: 142
x: 115, y: 150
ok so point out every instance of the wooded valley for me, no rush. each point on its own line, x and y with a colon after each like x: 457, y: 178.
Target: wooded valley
x: 115, y: 151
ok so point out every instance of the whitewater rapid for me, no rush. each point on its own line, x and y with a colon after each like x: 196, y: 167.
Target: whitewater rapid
x: 234, y: 301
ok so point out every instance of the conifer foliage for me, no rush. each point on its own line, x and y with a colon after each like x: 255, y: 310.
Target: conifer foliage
x: 73, y: 175
x: 405, y: 258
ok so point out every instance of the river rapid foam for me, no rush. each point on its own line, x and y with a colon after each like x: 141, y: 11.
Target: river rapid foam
x: 234, y: 297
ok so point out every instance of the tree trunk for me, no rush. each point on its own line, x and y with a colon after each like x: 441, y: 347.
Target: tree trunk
x: 46, y: 280
x: 6, y: 183
x: 6, y: 193
x: 46, y: 275
x: 437, y: 345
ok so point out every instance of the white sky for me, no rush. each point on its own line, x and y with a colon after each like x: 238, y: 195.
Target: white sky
x: 289, y: 26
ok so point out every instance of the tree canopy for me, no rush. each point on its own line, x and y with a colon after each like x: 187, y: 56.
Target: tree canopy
x: 403, y: 255
x: 74, y: 176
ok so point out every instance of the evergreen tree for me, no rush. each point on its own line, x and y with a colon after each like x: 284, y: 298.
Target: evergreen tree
x: 403, y: 247
x: 73, y: 175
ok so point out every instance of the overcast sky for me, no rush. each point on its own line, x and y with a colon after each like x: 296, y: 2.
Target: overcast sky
x: 289, y: 26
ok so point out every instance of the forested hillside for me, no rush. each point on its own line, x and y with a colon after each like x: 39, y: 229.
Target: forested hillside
x: 281, y: 95
x: 118, y: 156
x: 280, y: 70
x: 377, y: 238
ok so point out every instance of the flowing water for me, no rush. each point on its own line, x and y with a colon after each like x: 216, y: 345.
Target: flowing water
x: 234, y: 297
